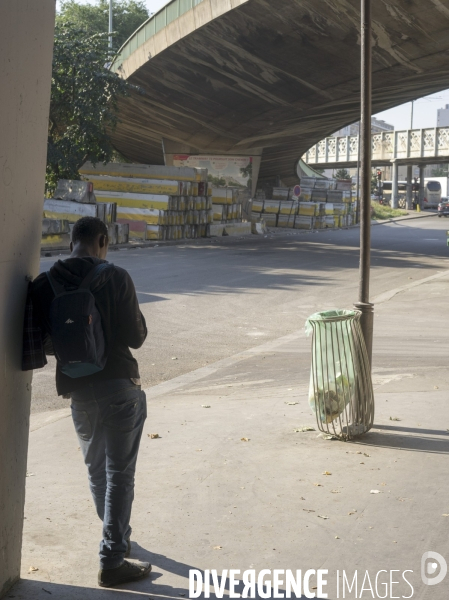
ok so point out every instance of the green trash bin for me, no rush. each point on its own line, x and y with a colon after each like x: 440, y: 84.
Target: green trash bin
x: 341, y: 390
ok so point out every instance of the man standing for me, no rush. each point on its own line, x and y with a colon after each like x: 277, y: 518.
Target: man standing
x: 108, y: 406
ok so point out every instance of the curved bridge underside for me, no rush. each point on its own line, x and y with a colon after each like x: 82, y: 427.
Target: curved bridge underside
x: 232, y: 76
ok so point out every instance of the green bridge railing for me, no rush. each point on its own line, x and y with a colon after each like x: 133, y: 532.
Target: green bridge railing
x: 170, y: 12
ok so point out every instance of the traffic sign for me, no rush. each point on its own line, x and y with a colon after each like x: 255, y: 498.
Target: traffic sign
x: 297, y: 191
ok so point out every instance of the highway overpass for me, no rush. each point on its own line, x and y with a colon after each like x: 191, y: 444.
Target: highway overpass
x: 407, y: 147
x: 269, y: 78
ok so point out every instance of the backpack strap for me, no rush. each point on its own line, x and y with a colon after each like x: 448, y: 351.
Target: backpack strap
x: 55, y: 286
x: 87, y: 281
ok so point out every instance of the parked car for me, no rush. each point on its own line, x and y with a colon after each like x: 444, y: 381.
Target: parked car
x: 443, y: 208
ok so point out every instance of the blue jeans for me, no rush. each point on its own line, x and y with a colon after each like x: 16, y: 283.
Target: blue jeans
x: 109, y: 418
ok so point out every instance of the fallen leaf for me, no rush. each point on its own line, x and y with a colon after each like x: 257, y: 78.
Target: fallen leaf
x: 435, y: 387
x: 336, y: 537
x: 205, y: 406
x: 32, y: 474
x: 245, y: 440
x: 330, y: 437
x: 335, y: 491
x: 445, y: 515
x: 322, y: 517
x: 352, y: 512
x: 375, y: 492
x: 174, y: 358
x: 327, y: 473
x: 154, y: 436
x: 394, y: 419
x: 318, y: 484
x: 308, y: 510
x: 362, y: 463
x: 303, y: 429
x: 218, y: 547
x: 199, y: 450
x: 32, y: 569
x: 365, y: 454
x: 291, y: 403
x: 290, y: 390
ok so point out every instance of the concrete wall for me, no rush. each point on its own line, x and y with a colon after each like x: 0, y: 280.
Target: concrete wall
x: 26, y: 41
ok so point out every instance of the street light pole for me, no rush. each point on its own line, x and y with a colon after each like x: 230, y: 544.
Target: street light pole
x: 364, y: 305
x: 110, y: 25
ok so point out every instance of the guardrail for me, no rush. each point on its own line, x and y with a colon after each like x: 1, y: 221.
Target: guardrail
x: 153, y: 25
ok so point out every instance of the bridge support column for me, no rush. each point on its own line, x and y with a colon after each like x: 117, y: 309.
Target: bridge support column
x: 409, y: 204
x: 395, y: 185
x: 26, y: 40
x: 421, y: 186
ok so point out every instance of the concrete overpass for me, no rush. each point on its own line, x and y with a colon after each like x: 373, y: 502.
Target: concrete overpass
x: 410, y: 146
x: 269, y: 78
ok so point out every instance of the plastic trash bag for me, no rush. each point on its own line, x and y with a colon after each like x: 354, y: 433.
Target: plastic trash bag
x: 332, y: 378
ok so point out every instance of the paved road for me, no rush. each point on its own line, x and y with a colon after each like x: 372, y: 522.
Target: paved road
x: 207, y: 301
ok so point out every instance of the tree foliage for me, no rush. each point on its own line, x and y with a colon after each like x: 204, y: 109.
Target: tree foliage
x: 248, y: 172
x: 84, y: 103
x: 216, y: 181
x: 127, y: 16
x: 440, y: 171
x: 342, y: 174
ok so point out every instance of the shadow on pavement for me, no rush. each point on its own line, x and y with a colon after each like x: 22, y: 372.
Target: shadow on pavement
x: 416, y: 440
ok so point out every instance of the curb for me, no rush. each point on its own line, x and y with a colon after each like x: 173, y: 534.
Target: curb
x: 408, y: 218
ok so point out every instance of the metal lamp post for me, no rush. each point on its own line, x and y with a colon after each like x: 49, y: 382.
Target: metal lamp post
x: 364, y: 305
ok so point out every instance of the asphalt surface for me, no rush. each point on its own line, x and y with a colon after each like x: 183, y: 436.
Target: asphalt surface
x: 209, y: 300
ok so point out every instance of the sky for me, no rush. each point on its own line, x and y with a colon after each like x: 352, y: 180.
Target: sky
x: 425, y: 109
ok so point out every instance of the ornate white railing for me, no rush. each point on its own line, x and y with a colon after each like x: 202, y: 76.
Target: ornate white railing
x: 386, y: 146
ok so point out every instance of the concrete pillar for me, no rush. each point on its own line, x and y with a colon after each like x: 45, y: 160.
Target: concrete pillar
x: 394, y: 185
x: 409, y: 204
x: 26, y: 40
x: 421, y: 185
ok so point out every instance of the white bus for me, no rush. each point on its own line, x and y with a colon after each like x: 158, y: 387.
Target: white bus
x: 432, y: 193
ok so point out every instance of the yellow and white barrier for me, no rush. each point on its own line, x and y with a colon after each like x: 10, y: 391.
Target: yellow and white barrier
x: 158, y: 201
x: 146, y: 171
x: 138, y: 186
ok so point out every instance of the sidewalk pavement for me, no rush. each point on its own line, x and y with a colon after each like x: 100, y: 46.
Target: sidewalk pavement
x: 205, y: 499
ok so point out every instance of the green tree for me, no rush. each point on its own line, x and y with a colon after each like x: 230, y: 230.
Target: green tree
x: 248, y: 172
x: 127, y: 16
x: 83, y: 105
x: 441, y: 171
x: 342, y: 174
x: 216, y: 181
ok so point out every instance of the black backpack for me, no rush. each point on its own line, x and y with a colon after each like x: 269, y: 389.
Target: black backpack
x: 76, y: 331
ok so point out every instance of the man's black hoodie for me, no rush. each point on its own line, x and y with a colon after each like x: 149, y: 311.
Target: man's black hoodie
x: 123, y: 324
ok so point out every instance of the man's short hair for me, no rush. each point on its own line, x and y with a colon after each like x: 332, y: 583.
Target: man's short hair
x: 87, y: 229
